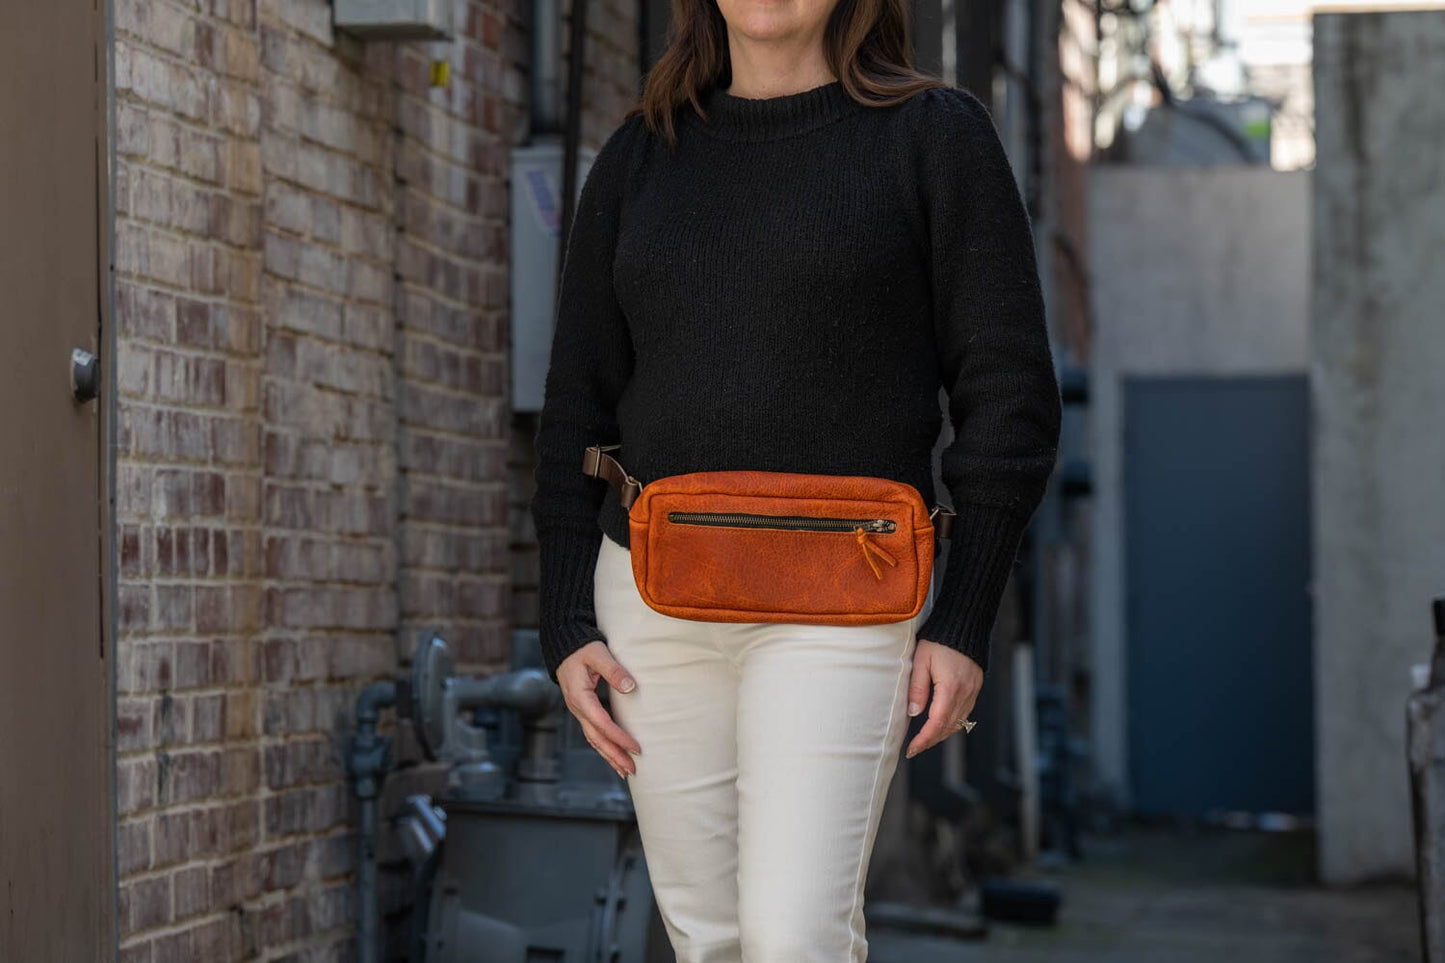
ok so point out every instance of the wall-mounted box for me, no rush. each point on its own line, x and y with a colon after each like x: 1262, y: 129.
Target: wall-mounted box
x: 536, y: 189
x: 394, y: 19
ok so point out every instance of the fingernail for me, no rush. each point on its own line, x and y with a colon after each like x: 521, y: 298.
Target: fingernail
x: 627, y: 685
x: 911, y: 753
x: 914, y: 708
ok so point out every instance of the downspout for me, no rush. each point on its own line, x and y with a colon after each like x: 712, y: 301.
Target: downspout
x: 572, y: 136
x: 548, y: 118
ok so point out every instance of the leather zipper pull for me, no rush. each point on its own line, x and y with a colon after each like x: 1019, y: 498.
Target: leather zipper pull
x: 868, y: 546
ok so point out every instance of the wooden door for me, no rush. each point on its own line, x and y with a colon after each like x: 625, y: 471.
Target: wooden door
x: 57, y: 882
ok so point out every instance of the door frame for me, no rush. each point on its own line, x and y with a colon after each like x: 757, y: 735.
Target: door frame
x: 108, y: 341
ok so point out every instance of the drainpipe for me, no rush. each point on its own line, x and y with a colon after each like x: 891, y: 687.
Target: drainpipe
x: 370, y: 759
x: 545, y: 89
x: 548, y: 118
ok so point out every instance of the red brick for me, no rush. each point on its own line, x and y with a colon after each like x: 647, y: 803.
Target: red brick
x: 188, y: 776
x: 192, y: 892
x: 134, y: 608
x: 240, y: 771
x: 133, y: 845
x: 144, y: 904
x: 173, y: 840
x: 133, y: 723
x: 208, y: 717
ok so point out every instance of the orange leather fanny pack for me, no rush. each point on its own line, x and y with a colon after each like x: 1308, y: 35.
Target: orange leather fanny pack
x: 765, y: 546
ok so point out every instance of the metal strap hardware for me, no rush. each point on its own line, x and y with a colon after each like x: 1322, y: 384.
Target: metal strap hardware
x: 598, y: 464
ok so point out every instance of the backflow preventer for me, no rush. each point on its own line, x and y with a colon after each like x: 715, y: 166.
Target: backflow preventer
x: 532, y: 852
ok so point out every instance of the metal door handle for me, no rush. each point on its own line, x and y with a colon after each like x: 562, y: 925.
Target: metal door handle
x: 84, y: 374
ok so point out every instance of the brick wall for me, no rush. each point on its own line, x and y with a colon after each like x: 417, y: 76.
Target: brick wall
x: 317, y: 458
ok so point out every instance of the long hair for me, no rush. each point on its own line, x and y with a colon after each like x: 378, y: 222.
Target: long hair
x: 865, y: 42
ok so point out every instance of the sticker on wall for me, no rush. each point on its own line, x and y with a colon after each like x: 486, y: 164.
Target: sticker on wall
x: 543, y: 196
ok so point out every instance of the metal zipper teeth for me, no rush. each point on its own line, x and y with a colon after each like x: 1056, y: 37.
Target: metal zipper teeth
x: 808, y: 523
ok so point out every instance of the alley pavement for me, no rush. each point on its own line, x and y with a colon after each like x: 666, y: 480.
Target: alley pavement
x: 1189, y: 896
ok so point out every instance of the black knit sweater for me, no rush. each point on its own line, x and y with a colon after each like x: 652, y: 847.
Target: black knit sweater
x: 788, y: 292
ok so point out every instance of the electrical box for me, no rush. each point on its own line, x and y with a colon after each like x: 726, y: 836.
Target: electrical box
x: 536, y: 188
x: 394, y: 19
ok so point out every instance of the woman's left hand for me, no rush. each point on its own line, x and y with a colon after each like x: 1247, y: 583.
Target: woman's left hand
x: 954, y: 679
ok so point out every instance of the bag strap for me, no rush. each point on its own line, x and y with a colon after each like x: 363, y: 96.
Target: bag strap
x: 598, y: 464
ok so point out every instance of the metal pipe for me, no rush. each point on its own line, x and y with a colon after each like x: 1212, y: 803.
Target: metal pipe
x: 545, y: 88
x: 1425, y: 753
x: 572, y: 133
x: 370, y: 758
x: 366, y: 883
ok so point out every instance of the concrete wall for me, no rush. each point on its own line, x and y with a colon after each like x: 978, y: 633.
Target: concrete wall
x: 314, y: 433
x: 1378, y: 364
x: 1195, y: 271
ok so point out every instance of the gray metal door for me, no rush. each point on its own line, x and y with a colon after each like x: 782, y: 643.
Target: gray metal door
x: 56, y: 812
x: 1217, y: 553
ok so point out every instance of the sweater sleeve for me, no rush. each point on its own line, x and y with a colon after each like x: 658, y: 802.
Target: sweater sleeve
x: 994, y: 361
x: 590, y: 364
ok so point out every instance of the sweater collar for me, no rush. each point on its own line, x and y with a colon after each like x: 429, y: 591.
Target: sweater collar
x: 767, y: 118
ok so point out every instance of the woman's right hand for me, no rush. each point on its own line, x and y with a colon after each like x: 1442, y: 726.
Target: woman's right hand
x: 578, y: 675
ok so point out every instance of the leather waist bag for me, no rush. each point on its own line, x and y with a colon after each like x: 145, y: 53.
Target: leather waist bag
x: 765, y: 546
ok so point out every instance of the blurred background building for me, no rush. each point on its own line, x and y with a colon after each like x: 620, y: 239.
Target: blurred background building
x: 307, y: 250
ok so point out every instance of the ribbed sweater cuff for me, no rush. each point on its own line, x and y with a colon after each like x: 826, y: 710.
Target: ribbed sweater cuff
x: 567, y: 620
x: 982, y: 549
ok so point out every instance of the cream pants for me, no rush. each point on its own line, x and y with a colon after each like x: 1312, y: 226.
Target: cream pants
x: 767, y: 752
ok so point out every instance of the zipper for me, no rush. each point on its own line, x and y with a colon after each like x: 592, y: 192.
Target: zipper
x: 805, y: 523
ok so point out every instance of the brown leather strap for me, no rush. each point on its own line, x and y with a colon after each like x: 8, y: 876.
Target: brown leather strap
x: 598, y: 464
x: 942, y: 521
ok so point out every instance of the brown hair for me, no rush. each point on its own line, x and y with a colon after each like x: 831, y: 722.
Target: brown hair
x: 865, y: 42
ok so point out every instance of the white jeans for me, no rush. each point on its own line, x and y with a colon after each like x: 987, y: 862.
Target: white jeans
x: 767, y: 752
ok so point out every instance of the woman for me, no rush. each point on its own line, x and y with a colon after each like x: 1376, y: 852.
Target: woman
x: 777, y: 260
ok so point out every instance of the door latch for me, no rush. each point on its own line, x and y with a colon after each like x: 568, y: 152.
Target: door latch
x: 84, y: 374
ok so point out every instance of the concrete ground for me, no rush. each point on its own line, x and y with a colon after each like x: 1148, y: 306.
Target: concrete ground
x: 1182, y: 896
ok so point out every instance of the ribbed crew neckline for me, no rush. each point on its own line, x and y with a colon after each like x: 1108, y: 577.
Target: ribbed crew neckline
x: 768, y: 118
